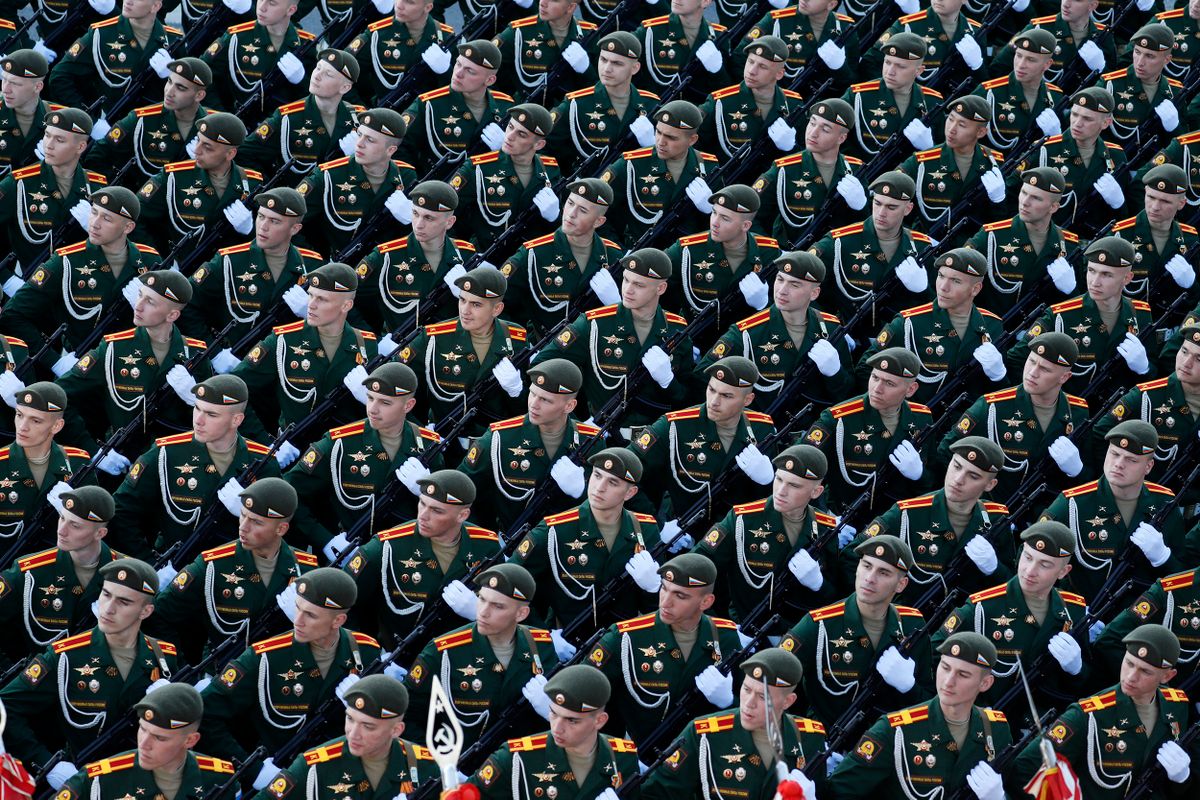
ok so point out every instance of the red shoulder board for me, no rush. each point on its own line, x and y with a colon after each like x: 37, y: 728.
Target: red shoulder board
x: 342, y: 431
x: 175, y: 438
x: 38, y: 560
x: 749, y: 508
x: 722, y: 722
x: 908, y: 716
x: 505, y: 424
x: 307, y: 559
x: 1098, y: 702
x: 291, y: 327
x: 758, y: 416
x: 1079, y: 402
x: 363, y: 638
x: 73, y: 642
x: 528, y: 743
x: 438, y: 328
x: 485, y: 158
x: 847, y: 408
x: 217, y: 553
x: 1086, y: 488
x: 274, y: 643
x: 1158, y: 489
x: 603, y: 311
x: 71, y: 249
x: 725, y: 624
x: 233, y: 249
x: 805, y: 725
x: 256, y: 448
x: 924, y: 501
x: 835, y: 610
x: 635, y: 624
x: 988, y: 594
x: 686, y: 413
x: 1072, y: 598
x: 476, y: 532
x: 398, y: 532
x: 1181, y: 580
x: 908, y: 611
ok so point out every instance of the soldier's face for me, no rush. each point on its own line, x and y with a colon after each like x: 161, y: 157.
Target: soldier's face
x: 316, y: 624
x: 1124, y: 469
x: 790, y: 492
x: 683, y: 605
x: 216, y: 423
x: 1042, y: 377
x: 888, y: 213
x: 410, y: 10
x: 1161, y: 207
x: 178, y: 93
x: 901, y: 73
x: 728, y: 226
x: 431, y: 226
x: 373, y: 147
x: 965, y: 482
x: 260, y: 534
x: 328, y: 308
x: 616, y: 70
x: 1079, y: 10
x: 1029, y: 67
x: 608, y: 491
x: 76, y: 533
x: 436, y: 519
x: 581, y: 217
x: 1140, y: 679
x: 469, y: 77
x: 274, y: 12
x: 273, y: 231
x: 956, y: 289
x: 327, y: 82
x: 1106, y: 283
x: 575, y: 730
x: 1038, y: 572
x: 792, y: 294
x: 556, y: 10
x: 962, y: 133
x: 639, y: 292
x: 1086, y: 124
x: 960, y: 682
x: 823, y: 136
x: 1148, y: 64
x: 497, y: 613
x: 1036, y: 205
x: 946, y: 8
x: 121, y: 609
x: 671, y: 143
x: 724, y: 403
x: 545, y: 408
x: 152, y: 309
x: 158, y: 747
x: 106, y: 227
x: 1193, y: 8
x: 477, y: 314
x: 387, y: 413
x: 140, y: 9
x: 34, y: 429
x: 519, y: 141
x: 752, y: 708
x: 1187, y: 365
x: 816, y: 7
x: 213, y: 156
x: 686, y: 8
x: 877, y: 582
x: 20, y: 92
x: 761, y: 72
x: 369, y: 737
x: 62, y: 147
x: 886, y: 391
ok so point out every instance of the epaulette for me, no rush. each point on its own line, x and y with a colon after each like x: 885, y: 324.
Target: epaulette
x: 644, y: 518
x: 541, y: 240
x: 234, y: 249
x: 1053, y: 139
x: 931, y: 92
x: 694, y: 238
x: 1046, y: 20
x: 305, y: 35
x: 989, y: 593
x: 482, y: 534
x: 1054, y: 88
x: 146, y: 111
x: 636, y: 624
x: 241, y: 27
x: 104, y: 23
x: 674, y: 319
x: 584, y: 25
x: 1074, y: 400
x: 1158, y: 488
x: 505, y: 424
x: 929, y: 155
x: 587, y: 429
x: 305, y: 558
x: 565, y: 516
x: 645, y: 93
x: 994, y: 508
x: 438, y: 328
x: 337, y: 162
x: 827, y: 317
x: 524, y: 22
x: 683, y: 413
x: 806, y: 725
x: 76, y: 452
x: 765, y: 241
x: 846, y: 230
x: 1073, y: 238
x: 26, y: 172
x: 707, y: 156
x: 788, y: 93
x: 1087, y: 488
x: 428, y: 434
x: 917, y: 236
x: 750, y: 508
x: 1098, y: 702
x: 909, y: 611
x: 622, y: 745
x: 75, y: 642
x: 1187, y: 138
x: 381, y: 24
x: 3, y: 453
x: 1112, y: 146
x: 217, y: 553
x: 993, y: 715
x: 517, y: 332
x: 8, y: 24
x: 714, y: 724
x: 1172, y: 14
x: 600, y: 313
x: 908, y: 716
x: 198, y: 343
x: 433, y: 94
x: 1157, y: 383
x: 291, y: 327
x: 847, y: 408
x: 925, y: 501
x: 342, y: 431
x: 485, y: 158
x: 828, y: 612
x: 463, y: 244
x: 630, y: 155
x: 1183, y: 226
x: 783, y: 13
x: 1180, y: 580
x: 754, y: 320
x: 398, y: 532
x: 717, y: 28
x: 578, y: 93
x: 38, y: 560
x: 171, y: 29
x: 106, y: 766
x: 650, y: 23
x: 1003, y: 394
x: 824, y: 519
x: 865, y: 86
x: 1072, y: 598
x: 725, y: 624
x: 917, y: 311
x: 787, y: 161
x: 973, y: 23
x: 179, y: 166
x: 920, y: 408
x: 858, y: 162
x: 843, y: 17
x: 907, y: 18
x: 1174, y: 695
x: 144, y: 248
x: 1174, y: 84
x: 528, y: 742
x: 1141, y: 305
x: 292, y: 108
x: 540, y: 635
x: 721, y: 94
x: 175, y: 438
x: 1067, y: 305
x: 1125, y: 223
x: 329, y: 752
x: 274, y: 643
x: 549, y: 161
x: 71, y: 249
x: 256, y: 448
x: 996, y: 83
x: 987, y: 313
x: 209, y: 764
x: 452, y: 640
x: 363, y: 638
x: 1112, y: 76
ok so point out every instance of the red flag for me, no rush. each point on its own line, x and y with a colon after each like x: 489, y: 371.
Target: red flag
x: 15, y: 783
x: 1055, y: 781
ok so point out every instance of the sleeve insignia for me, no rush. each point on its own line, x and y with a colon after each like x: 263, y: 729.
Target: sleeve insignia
x: 1142, y: 609
x: 883, y: 337
x: 525, y: 547
x: 181, y: 581
x: 3, y: 587
x: 713, y: 537
x: 1119, y: 411
x: 1060, y: 733
x: 867, y: 749
x: 256, y: 354
x: 34, y: 672
x: 85, y: 364
x: 135, y: 472
x: 406, y: 354
x: 232, y: 674
x: 311, y: 457
x: 874, y: 529
x: 281, y: 786
x: 473, y: 455
x: 487, y: 773
x: 566, y: 337
x: 356, y: 564
x: 646, y: 440
x: 38, y: 278
x: 675, y: 760
x: 815, y: 436
x: 417, y: 673
x: 965, y: 424
x: 598, y: 656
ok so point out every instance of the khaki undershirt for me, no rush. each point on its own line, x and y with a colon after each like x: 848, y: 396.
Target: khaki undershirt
x: 826, y: 170
x: 220, y: 183
x: 890, y: 419
x: 1128, y: 508
x: 1079, y: 34
x: 553, y: 441
x: 504, y: 653
x: 686, y: 640
x: 85, y: 572
x: 1039, y: 608
x: 581, y: 765
x: 1109, y: 318
x: 445, y: 552
x: 903, y: 99
x: 960, y: 322
x: 764, y: 106
x: 324, y: 656
x: 818, y: 28
x: 184, y: 126
x: 481, y: 344
x: 524, y: 172
x: 160, y: 349
x: 1150, y: 89
x: 64, y: 186
x: 1086, y: 153
x: 391, y: 444
x: 609, y: 533
x: 874, y: 629
x: 793, y: 529
x: 959, y: 730
x: 691, y: 30
x: 889, y: 247
x: 1037, y: 238
x: 1031, y: 96
x: 797, y: 332
x: 123, y: 657
x: 735, y: 254
x: 276, y: 263
x: 950, y: 27
x: 620, y: 102
x: 330, y: 344
x: 1160, y: 238
x: 433, y: 252
x: 641, y: 327
x: 222, y: 460
x: 24, y: 121
x: 1193, y: 401
x: 329, y: 120
x: 582, y: 254
x: 763, y: 745
x: 117, y: 260
x: 1148, y: 714
x: 964, y: 164
x: 675, y: 167
x: 375, y: 768
x: 726, y: 433
x: 169, y: 781
x: 958, y: 520
x: 38, y: 470
x: 266, y: 567
x: 1044, y: 414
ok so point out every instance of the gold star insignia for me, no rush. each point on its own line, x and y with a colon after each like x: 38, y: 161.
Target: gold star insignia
x: 518, y: 451
x: 695, y: 444
x: 186, y: 469
x: 1003, y: 620
x: 345, y: 187
x: 303, y: 131
x: 87, y: 670
x: 858, y: 255
x: 612, y: 339
x: 1114, y: 732
x: 191, y: 191
x: 340, y: 788
x: 922, y: 746
x: 410, y: 563
x: 129, y: 361
x: 576, y: 545
x: 232, y: 577
x: 938, y: 174
x: 840, y: 642
x: 861, y: 436
x: 1079, y: 328
x: 38, y: 196
x: 358, y: 456
x: 470, y: 670
x: 545, y: 777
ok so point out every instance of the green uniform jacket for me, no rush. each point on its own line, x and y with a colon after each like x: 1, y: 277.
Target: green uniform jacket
x: 877, y: 117
x: 17, y: 148
x: 32, y: 207
x: 1187, y: 39
x: 529, y: 50
x: 1078, y: 204
x: 940, y: 184
x: 939, y: 47
x: 702, y: 273
x: 585, y: 121
x: 667, y: 51
x: 107, y: 58
x: 244, y: 55
x: 440, y: 124
x: 1180, y: 152
x: 332, y: 772
x: 181, y: 199
x: 274, y: 686
x: 1011, y: 113
x: 732, y: 117
x: 340, y: 198
x: 1013, y: 268
x: 1066, y: 53
x: 492, y: 196
x: 396, y: 276
x: 792, y: 191
x: 1173, y: 601
x: 796, y: 29
x: 297, y: 130
x: 1134, y: 107
x: 386, y: 50
x: 20, y: 495
x: 147, y: 136
x: 539, y: 757
x: 121, y: 776
x: 643, y: 188
x: 1148, y: 266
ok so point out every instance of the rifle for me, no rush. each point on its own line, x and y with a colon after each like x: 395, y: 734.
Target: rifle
x: 884, y: 13
x: 226, y: 789
x: 58, y: 233
x: 1005, y: 758
x: 32, y: 360
x: 1153, y: 778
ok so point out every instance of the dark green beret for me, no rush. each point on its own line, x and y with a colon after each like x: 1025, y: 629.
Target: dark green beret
x: 593, y: 190
x: 618, y: 461
x: 972, y: 107
x: 384, y: 120
x: 532, y: 117
x: 171, y: 707
x: 896, y: 361
x: 1050, y: 537
x: 621, y: 43
x: 735, y: 371
x: 283, y: 200
x: 71, y: 120
x: 132, y: 574
x: 772, y: 48
x: 679, y: 114
x: 650, y: 263
x: 835, y: 110
x: 170, y: 284
x: 801, y: 265
x: 1155, y: 644
x: 222, y: 128
x: 1134, y: 435
x: 774, y: 666
x: 119, y: 200
x: 981, y: 452
x: 736, y: 197
x: 222, y: 390
x: 556, y: 376
x: 392, y: 379
x: 510, y: 580
x: 26, y: 64
x: 43, y: 396
x: 1038, y: 41
x: 580, y: 688
x: 192, y: 70
x: 1111, y: 251
x: 1055, y: 347
x: 689, y: 569
x: 378, y: 696
x: 1169, y: 178
x: 92, y: 503
x: 1155, y: 36
x: 434, y: 196
x: 343, y: 62
x: 964, y: 260
x: 803, y: 461
x: 1048, y: 179
x: 969, y: 646
x: 328, y: 588
x: 485, y: 282
x: 1094, y: 98
x: 273, y: 498
x: 894, y: 184
x: 887, y: 548
x: 1190, y: 333
x: 333, y: 277
x: 481, y: 52
x: 448, y: 486
x: 905, y: 45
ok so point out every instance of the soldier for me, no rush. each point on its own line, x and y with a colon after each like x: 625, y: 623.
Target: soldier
x: 965, y: 738
x: 349, y: 190
x: 243, y: 282
x: 895, y: 103
x: 1161, y: 243
x: 250, y: 52
x: 556, y: 553
x: 968, y: 330
x: 1139, y: 717
x: 718, y: 433
x: 116, y: 664
x: 397, y: 584
x: 1171, y: 602
x: 847, y: 642
x: 519, y: 175
x: 448, y: 120
x: 1023, y: 97
x: 168, y: 728
x: 595, y: 763
x: 674, y: 42
x: 1079, y: 35
x: 302, y: 134
x: 608, y: 343
x: 858, y: 434
x: 679, y: 646
x: 530, y: 48
x: 316, y: 660
x: 65, y: 575
x: 788, y: 515
x: 737, y: 115
x: 23, y: 110
x: 369, y: 760
x: 645, y: 182
x: 770, y: 673
x: 1104, y: 323
x: 1143, y: 87
x: 1185, y: 29
x: 83, y: 283
x: 515, y: 456
x: 812, y: 30
x: 141, y: 145
x: 189, y: 195
x: 943, y: 27
x: 388, y: 48
x: 505, y: 660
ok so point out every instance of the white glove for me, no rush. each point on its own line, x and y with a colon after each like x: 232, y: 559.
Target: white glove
x: 229, y: 496
x: 756, y: 466
x: 100, y: 128
x: 782, y: 134
x: 158, y: 63
x: 991, y: 360
x: 832, y: 54
x: 456, y: 272
x: 1175, y: 761
x: 353, y: 380
x: 1094, y: 632
x: 10, y: 384
x: 908, y: 6
x: 698, y: 192
x: 492, y: 136
x: 851, y: 190
x: 985, y: 782
x: 386, y: 345
x: 906, y: 459
x: 826, y: 357
x: 547, y: 203
x: 643, y: 129
x: 644, y: 570
x: 40, y: 47
x: 846, y: 535
x: 286, y: 600
x: 113, y: 463
x: 13, y: 285
x: 461, y: 600
x: 507, y: 376
x: 182, y: 382
x: 297, y: 300
x: 534, y: 691
x: 1066, y: 455
x: 524, y: 3
x: 82, y: 212
x: 344, y: 685
x: 383, y: 6
x: 65, y: 364
x: 831, y: 763
x: 897, y: 671
x: 132, y: 291
x: 190, y: 147
x: 912, y: 276
x: 39, y: 150
x: 1019, y: 5
x: 807, y: 787
x: 1168, y: 114
x: 1145, y: 5
x: 166, y: 574
x: 716, y: 687
x: 993, y: 184
x: 1149, y: 540
x: 239, y: 217
x: 918, y: 134
x: 268, y: 771
x: 103, y: 7
x: 400, y: 206
x: 1181, y: 271
x: 395, y: 671
x: 348, y: 143
x: 411, y: 471
x: 286, y: 453
x: 436, y: 58
x: 807, y: 570
x: 754, y: 291
x: 1062, y: 275
x: 568, y: 475
x: 1134, y: 353
x: 1048, y: 122
x: 156, y: 685
x: 678, y: 542
x: 225, y: 362
x: 62, y: 772
x: 658, y: 364
x: 237, y: 6
x: 1066, y: 652
x: 605, y: 287
x: 981, y: 552
x: 710, y: 57
x: 778, y: 3
x: 54, y: 496
x: 609, y: 794
x: 562, y: 648
x: 334, y: 548
x: 291, y: 67
x: 1092, y: 55
x: 968, y: 48
x: 576, y: 56
x: 1109, y: 189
